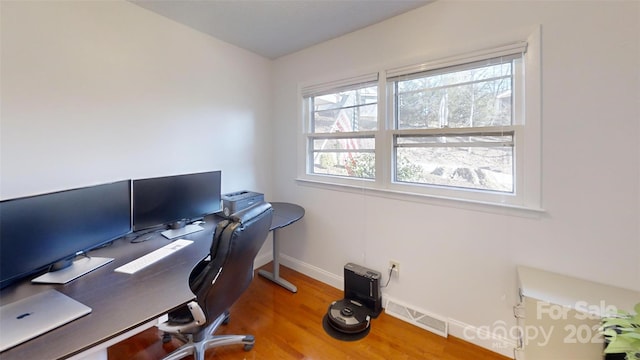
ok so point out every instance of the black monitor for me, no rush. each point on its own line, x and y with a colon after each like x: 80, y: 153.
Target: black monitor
x: 49, y: 230
x: 173, y: 201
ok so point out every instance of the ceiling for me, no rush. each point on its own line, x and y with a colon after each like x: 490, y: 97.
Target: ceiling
x: 274, y: 28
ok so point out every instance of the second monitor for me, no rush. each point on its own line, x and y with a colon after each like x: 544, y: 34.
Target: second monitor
x: 174, y: 201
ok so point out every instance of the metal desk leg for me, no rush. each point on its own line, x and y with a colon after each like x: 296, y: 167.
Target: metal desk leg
x: 275, y: 276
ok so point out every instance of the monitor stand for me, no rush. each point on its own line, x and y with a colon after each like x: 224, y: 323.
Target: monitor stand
x: 78, y: 268
x: 187, y: 229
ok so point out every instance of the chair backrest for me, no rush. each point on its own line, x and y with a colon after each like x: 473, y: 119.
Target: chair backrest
x: 219, y: 281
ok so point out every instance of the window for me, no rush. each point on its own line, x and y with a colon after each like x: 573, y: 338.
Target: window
x: 454, y: 128
x: 343, y: 123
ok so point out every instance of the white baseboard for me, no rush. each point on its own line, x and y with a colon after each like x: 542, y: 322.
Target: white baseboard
x: 262, y: 259
x: 471, y: 334
x: 312, y: 271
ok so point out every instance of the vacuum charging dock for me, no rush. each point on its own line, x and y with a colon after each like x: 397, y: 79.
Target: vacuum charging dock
x: 362, y: 302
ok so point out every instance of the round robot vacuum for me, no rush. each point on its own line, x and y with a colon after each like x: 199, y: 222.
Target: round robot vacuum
x: 348, y: 316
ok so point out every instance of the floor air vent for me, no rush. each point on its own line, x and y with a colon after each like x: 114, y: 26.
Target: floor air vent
x: 417, y: 317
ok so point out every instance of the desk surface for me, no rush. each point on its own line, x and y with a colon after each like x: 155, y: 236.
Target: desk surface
x: 573, y: 293
x: 285, y: 214
x: 119, y: 302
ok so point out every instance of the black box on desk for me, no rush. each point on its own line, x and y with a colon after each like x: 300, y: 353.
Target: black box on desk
x: 236, y: 201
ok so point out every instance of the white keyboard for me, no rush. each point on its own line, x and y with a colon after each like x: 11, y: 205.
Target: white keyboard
x: 142, y: 262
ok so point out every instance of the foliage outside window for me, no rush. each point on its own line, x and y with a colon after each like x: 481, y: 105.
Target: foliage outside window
x: 452, y: 128
x: 343, y: 124
x: 457, y: 126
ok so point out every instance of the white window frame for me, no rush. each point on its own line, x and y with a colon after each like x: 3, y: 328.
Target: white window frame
x: 309, y: 136
x: 516, y: 51
x: 527, y: 138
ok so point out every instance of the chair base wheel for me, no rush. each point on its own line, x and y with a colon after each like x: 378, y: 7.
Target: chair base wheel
x: 166, y: 338
x: 249, y: 341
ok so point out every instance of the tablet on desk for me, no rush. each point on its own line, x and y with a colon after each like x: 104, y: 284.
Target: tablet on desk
x: 35, y: 315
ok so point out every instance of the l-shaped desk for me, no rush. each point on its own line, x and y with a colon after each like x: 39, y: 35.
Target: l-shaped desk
x: 120, y: 302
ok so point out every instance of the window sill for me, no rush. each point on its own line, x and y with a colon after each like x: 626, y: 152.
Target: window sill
x: 490, y: 207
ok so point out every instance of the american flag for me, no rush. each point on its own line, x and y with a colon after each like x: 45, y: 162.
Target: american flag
x: 343, y: 124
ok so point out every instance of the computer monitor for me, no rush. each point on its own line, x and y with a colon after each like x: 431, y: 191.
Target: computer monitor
x: 174, y: 201
x: 48, y: 231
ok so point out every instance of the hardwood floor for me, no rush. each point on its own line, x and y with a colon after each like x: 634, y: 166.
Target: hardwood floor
x: 289, y: 326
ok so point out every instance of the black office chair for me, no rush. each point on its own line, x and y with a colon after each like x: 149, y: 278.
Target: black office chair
x: 217, y: 282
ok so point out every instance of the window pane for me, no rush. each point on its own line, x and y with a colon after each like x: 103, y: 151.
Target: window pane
x: 366, y: 95
x: 352, y: 157
x: 475, y: 97
x: 345, y: 111
x: 482, y: 168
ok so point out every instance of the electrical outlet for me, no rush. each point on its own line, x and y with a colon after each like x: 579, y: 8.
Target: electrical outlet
x: 395, y: 265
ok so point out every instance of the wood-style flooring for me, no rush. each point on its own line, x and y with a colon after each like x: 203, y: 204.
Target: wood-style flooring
x: 289, y: 326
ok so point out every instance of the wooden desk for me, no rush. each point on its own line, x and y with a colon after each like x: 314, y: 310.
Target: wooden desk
x: 284, y: 214
x: 119, y: 302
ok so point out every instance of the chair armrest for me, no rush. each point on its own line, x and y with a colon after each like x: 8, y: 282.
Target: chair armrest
x: 198, y: 320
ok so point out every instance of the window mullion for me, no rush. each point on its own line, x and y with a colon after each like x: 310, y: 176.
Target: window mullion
x: 479, y: 131
x: 342, y: 135
x: 384, y: 162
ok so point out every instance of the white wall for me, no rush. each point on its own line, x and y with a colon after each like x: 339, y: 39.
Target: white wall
x: 460, y: 262
x: 96, y: 91
x: 99, y: 91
